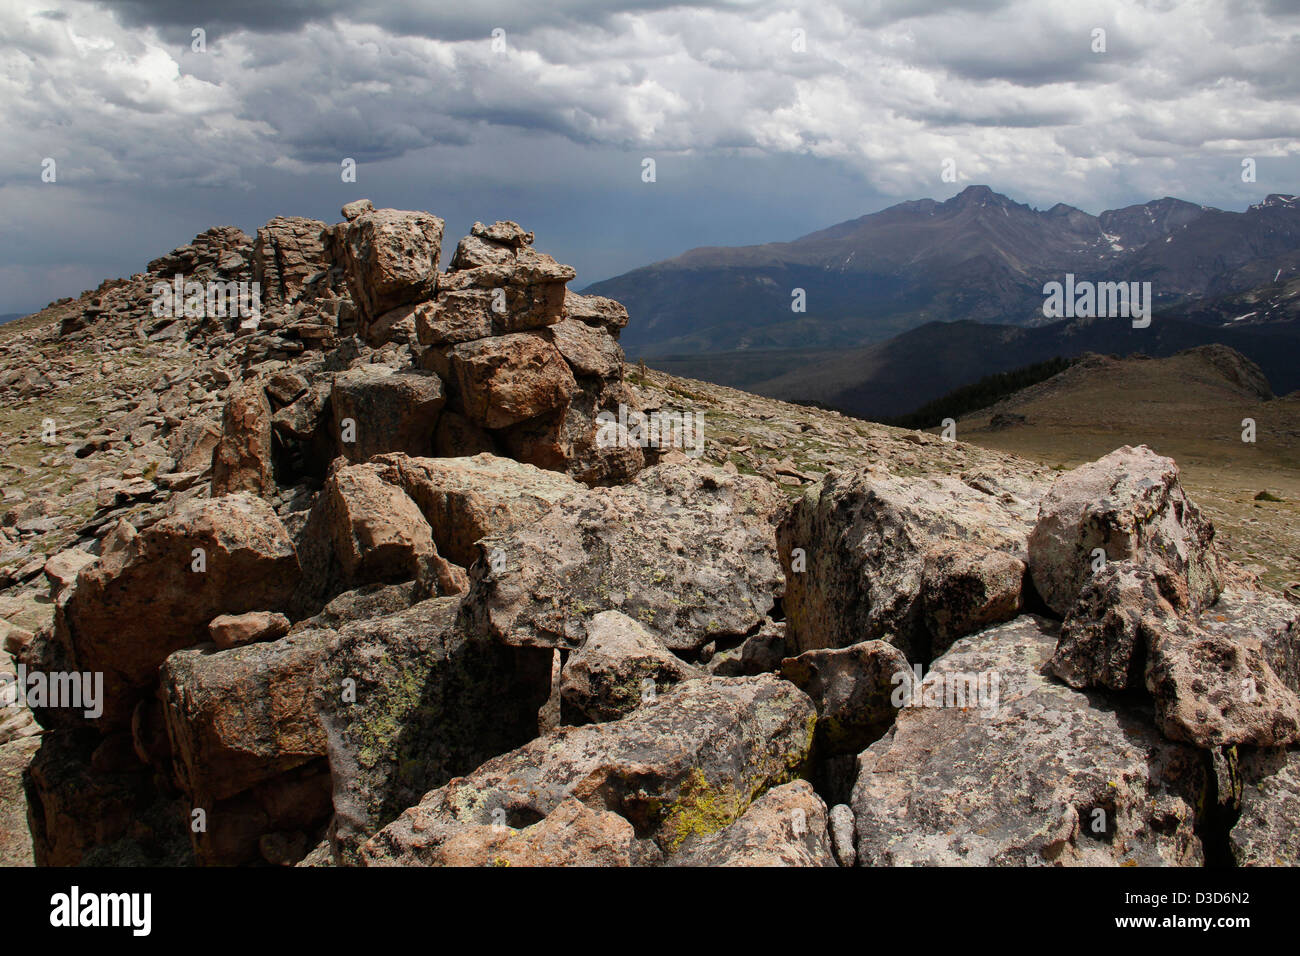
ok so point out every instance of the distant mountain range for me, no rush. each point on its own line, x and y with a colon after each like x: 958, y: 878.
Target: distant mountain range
x: 977, y: 257
x: 895, y: 377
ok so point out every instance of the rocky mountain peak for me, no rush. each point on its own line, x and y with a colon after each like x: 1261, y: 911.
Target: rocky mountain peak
x: 1277, y: 200
x: 977, y: 194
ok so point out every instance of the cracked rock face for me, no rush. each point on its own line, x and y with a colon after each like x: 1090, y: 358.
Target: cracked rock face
x: 427, y: 700
x: 1049, y: 775
x: 1265, y: 833
x: 289, y: 250
x: 687, y: 553
x: 868, y: 556
x: 242, y: 459
x: 1131, y: 506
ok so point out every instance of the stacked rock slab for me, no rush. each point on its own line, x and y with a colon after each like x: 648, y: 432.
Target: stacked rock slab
x: 246, y: 751
x: 528, y: 364
x: 253, y: 434
x: 495, y: 355
x: 390, y: 258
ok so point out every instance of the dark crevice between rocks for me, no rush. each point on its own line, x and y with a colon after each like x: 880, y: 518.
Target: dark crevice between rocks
x: 1032, y: 602
x: 1136, y: 679
x: 725, y: 642
x: 777, y: 613
x: 920, y: 649
x: 1222, y: 807
x: 288, y: 461
x: 833, y: 776
x: 833, y: 764
x: 721, y: 643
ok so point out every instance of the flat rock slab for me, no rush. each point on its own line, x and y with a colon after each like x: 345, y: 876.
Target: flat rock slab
x: 686, y: 764
x: 686, y: 551
x: 465, y: 499
x: 1049, y: 775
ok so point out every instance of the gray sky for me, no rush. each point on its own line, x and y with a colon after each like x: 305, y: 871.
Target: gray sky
x: 754, y: 140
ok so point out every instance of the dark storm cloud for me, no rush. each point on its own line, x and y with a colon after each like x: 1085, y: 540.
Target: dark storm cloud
x: 440, y: 20
x: 148, y: 131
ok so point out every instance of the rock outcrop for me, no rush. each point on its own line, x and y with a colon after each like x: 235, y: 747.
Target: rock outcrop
x: 390, y: 257
x: 1129, y: 506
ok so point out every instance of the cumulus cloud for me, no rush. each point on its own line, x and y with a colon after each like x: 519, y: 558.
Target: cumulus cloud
x: 1013, y: 91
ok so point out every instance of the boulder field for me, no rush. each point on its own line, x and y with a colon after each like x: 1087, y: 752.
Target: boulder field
x: 367, y: 577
